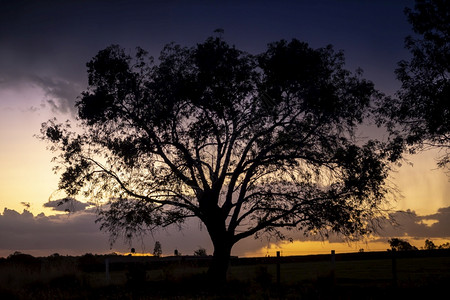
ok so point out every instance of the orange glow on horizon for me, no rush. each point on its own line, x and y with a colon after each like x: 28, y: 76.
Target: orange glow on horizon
x: 298, y: 248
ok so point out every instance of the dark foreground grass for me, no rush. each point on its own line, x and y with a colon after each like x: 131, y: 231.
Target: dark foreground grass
x: 196, y: 288
x: 417, y: 278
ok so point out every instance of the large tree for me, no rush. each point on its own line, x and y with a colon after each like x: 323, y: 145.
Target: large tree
x: 249, y: 144
x: 421, y: 112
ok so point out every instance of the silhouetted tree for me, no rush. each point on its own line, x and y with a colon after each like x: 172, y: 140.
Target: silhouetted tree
x: 200, y: 252
x: 423, y: 106
x: 248, y: 144
x: 157, y: 250
x: 444, y: 246
x: 429, y: 245
x: 401, y: 245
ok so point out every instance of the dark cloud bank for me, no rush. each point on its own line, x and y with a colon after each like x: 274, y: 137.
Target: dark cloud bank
x: 410, y: 224
x: 77, y: 233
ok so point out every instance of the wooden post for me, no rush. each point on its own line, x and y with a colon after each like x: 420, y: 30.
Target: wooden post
x: 278, y: 268
x: 107, y: 270
x: 394, y: 267
x: 333, y: 266
x: 333, y: 259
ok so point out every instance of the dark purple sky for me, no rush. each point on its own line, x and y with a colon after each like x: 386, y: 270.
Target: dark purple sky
x: 49, y: 42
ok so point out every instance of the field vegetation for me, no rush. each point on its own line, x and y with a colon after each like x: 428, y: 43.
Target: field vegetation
x: 371, y: 275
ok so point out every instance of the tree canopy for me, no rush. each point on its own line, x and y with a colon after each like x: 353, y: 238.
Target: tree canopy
x: 249, y: 144
x: 157, y: 250
x: 401, y: 245
x: 421, y: 112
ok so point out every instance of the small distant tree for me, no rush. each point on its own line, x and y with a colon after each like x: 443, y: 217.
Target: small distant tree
x: 429, y: 245
x: 444, y: 246
x: 200, y: 252
x: 401, y: 245
x: 157, y: 250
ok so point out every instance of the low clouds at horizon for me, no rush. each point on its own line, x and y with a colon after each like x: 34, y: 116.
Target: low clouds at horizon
x: 77, y: 233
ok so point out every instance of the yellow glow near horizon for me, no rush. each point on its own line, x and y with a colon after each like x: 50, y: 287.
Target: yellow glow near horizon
x: 423, y: 186
x: 325, y: 247
x: 26, y: 171
x: 314, y: 247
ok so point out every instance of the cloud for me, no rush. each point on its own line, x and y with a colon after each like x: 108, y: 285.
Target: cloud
x: 67, y: 234
x: 442, y: 226
x: 77, y: 233
x: 67, y: 205
x: 400, y: 224
x: 413, y: 225
x: 61, y: 94
x: 54, y: 91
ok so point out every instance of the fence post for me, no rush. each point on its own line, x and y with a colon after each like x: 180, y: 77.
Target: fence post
x: 394, y: 267
x: 278, y: 268
x: 107, y: 270
x: 333, y: 259
x: 333, y: 266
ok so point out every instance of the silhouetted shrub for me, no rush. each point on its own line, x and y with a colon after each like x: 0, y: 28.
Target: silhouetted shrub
x: 90, y: 263
x: 29, y: 262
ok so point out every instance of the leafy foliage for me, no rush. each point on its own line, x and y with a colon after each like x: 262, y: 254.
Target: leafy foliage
x: 401, y: 245
x: 157, y: 250
x: 423, y: 108
x: 200, y: 252
x: 429, y: 245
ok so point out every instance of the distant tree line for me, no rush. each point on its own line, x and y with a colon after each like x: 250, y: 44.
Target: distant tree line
x: 402, y: 245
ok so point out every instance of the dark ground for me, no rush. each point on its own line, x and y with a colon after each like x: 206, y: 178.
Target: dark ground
x: 373, y: 275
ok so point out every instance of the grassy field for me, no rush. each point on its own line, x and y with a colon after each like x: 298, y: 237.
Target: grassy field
x: 355, y: 276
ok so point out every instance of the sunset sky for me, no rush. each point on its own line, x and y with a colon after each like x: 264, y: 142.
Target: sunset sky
x: 44, y: 47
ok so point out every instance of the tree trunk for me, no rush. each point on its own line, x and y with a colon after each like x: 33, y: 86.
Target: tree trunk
x: 217, y: 272
x: 214, y: 220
